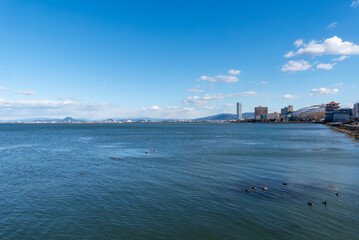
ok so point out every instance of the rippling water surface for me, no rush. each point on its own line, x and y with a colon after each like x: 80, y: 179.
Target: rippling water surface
x: 177, y: 181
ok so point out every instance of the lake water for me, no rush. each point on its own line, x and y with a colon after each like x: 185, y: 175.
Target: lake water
x: 177, y: 181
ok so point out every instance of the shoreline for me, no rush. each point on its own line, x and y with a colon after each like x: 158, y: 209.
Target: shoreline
x: 349, y: 129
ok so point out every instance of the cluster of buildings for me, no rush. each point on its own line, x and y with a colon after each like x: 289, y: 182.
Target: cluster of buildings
x: 334, y: 113
x: 330, y: 112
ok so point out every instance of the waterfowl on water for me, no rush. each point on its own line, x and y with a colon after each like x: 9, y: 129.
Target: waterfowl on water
x: 285, y: 184
x: 325, y: 202
x: 264, y: 188
x: 337, y: 194
x: 247, y: 190
x: 254, y: 188
x: 310, y: 204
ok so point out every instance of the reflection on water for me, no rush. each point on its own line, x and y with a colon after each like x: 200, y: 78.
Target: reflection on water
x: 177, y: 181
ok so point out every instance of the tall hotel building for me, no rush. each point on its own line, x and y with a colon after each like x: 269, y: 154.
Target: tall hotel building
x: 239, y: 110
x: 356, y: 110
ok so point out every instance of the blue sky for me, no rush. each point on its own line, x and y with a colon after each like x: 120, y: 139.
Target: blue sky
x: 174, y: 59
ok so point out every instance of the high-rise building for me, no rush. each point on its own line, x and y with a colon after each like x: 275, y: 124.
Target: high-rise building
x: 287, y: 110
x: 260, y: 111
x: 356, y: 110
x: 239, y: 110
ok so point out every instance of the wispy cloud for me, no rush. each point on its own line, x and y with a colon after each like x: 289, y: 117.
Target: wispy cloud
x: 323, y: 91
x: 326, y: 66
x: 339, y: 59
x: 4, y: 88
x: 231, y: 78
x: 203, y: 100
x: 195, y: 90
x: 330, y: 46
x: 332, y: 25
x: 26, y: 92
x: 289, y: 96
x: 355, y: 4
x: 258, y: 83
x: 17, y: 109
x: 338, y: 84
x: 234, y: 72
x: 294, y: 66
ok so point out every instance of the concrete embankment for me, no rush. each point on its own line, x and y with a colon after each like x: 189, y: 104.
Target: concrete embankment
x: 350, y: 129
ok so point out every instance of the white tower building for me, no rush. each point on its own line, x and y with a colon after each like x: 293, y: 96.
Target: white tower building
x: 239, y: 110
x: 356, y: 110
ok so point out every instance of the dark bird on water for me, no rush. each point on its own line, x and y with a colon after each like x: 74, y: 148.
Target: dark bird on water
x: 310, y: 204
x: 264, y: 188
x: 254, y: 188
x: 247, y: 190
x: 325, y: 202
x: 285, y: 184
x: 337, y: 194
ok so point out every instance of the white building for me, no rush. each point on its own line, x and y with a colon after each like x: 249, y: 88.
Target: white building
x: 239, y: 110
x: 356, y: 110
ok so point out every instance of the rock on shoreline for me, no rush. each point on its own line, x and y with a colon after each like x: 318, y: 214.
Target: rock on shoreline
x: 350, y: 129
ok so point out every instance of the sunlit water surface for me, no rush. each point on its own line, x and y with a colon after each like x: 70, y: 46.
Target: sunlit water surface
x: 177, y: 181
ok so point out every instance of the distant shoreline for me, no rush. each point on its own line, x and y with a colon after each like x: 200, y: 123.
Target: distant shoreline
x: 162, y: 122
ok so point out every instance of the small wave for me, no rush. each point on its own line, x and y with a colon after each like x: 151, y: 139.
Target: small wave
x: 15, y: 146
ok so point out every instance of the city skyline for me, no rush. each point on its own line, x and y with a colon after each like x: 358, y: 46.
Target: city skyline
x: 180, y: 60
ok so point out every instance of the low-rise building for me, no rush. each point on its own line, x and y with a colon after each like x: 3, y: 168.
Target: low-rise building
x: 273, y: 116
x: 342, y: 115
x: 329, y: 111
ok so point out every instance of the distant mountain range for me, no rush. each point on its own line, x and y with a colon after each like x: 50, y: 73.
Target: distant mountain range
x: 225, y: 117
x: 218, y: 117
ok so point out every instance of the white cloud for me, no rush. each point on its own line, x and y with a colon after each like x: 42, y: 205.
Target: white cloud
x: 232, y: 78
x: 332, y: 25
x: 153, y: 108
x: 323, y: 91
x: 355, y: 4
x: 339, y: 59
x: 234, y: 72
x: 338, y: 84
x: 4, y: 88
x: 246, y: 94
x: 298, y: 43
x: 330, y: 46
x: 27, y: 92
x: 326, y: 66
x: 203, y: 100
x: 227, y: 79
x: 195, y: 90
x: 293, y: 66
x: 197, y: 100
x: 258, y: 83
x: 289, y: 96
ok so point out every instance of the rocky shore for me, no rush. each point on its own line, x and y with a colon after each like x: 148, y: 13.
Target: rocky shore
x: 350, y: 129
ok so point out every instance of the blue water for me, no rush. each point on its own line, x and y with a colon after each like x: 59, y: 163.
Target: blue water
x: 177, y: 181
